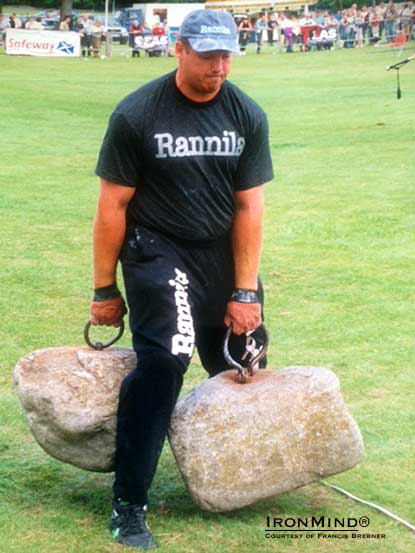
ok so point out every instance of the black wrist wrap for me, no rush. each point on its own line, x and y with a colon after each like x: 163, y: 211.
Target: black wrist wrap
x: 106, y: 293
x: 244, y: 296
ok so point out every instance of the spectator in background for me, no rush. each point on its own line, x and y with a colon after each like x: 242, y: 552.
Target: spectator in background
x: 158, y: 29
x: 65, y: 24
x: 295, y: 22
x: 326, y: 19
x: 37, y: 25
x: 291, y: 30
x: 359, y: 23
x: 306, y: 27
x: 244, y: 30
x: 381, y: 10
x: 366, y: 28
x: 97, y: 32
x: 289, y: 39
x: 287, y: 30
x: 374, y: 24
x: 83, y: 27
x: 307, y: 20
x: 3, y: 26
x: 270, y: 29
x: 18, y: 21
x: 134, y: 30
x: 277, y: 30
x: 350, y: 29
x: 342, y: 27
x: 391, y: 16
x: 338, y: 16
x: 282, y: 23
x: 34, y: 24
x: 260, y: 26
x: 146, y: 28
x: 28, y: 24
x: 333, y: 23
x: 407, y: 18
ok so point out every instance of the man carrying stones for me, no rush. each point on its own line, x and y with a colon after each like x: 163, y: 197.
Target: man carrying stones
x: 182, y: 169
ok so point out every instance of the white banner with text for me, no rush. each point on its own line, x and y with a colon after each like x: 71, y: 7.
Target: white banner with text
x: 42, y: 43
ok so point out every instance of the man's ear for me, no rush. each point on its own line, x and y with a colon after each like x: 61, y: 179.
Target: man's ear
x: 180, y: 49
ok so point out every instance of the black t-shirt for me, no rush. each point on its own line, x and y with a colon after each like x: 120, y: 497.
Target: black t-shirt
x: 185, y: 159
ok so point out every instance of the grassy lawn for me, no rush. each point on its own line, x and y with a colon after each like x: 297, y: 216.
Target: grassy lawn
x: 338, y: 269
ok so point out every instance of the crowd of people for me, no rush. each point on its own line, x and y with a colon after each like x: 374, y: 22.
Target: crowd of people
x: 89, y: 27
x: 91, y: 31
x: 350, y: 28
x: 141, y: 30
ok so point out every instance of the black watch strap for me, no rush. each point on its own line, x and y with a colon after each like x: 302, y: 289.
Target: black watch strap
x: 106, y: 293
x: 244, y: 296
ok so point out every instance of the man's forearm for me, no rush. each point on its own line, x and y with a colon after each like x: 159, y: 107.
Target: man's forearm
x: 246, y: 244
x: 108, y: 239
x: 108, y: 236
x: 108, y: 306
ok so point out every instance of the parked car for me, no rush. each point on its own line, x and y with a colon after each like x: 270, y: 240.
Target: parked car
x: 126, y: 16
x: 50, y: 23
x: 48, y: 14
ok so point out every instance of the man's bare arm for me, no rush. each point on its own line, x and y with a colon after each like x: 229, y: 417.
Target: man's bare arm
x: 108, y: 237
x: 109, y: 230
x: 246, y: 244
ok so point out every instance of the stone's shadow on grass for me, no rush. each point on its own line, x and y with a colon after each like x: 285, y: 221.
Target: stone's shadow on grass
x: 45, y: 482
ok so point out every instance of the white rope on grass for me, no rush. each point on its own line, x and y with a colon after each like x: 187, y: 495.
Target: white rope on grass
x: 377, y: 507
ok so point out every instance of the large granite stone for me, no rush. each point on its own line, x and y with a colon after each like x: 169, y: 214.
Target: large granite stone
x: 70, y: 397
x: 237, y: 443
x: 234, y: 443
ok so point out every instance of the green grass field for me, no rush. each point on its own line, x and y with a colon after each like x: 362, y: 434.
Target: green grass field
x: 338, y: 269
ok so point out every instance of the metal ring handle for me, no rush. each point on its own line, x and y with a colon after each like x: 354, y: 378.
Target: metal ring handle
x: 264, y: 349
x: 99, y: 345
x: 231, y: 361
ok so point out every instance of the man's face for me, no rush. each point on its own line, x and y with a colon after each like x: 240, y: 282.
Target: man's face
x: 204, y: 72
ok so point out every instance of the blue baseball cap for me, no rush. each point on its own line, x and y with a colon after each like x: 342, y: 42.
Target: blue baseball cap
x: 208, y: 30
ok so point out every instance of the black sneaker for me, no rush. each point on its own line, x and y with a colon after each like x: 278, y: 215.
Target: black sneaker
x: 128, y: 526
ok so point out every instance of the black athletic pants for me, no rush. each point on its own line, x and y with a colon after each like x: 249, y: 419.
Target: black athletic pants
x: 177, y: 297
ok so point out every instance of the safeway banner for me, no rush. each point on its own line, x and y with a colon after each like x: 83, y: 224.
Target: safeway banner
x: 42, y: 43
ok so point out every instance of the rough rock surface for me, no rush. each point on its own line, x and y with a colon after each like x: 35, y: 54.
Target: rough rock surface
x: 237, y: 443
x: 70, y: 396
x: 234, y: 443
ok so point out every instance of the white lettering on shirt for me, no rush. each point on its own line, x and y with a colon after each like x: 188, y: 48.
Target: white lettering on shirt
x: 226, y: 145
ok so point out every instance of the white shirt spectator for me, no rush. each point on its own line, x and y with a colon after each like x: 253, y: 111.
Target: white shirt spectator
x: 37, y: 25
